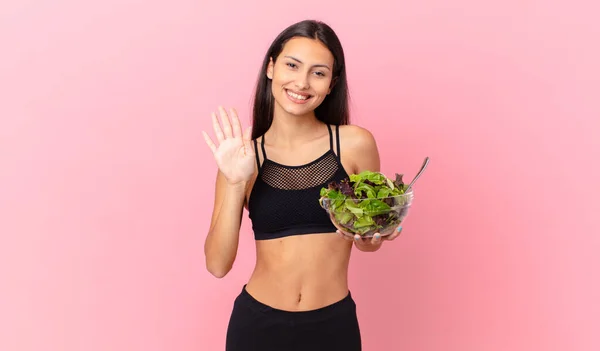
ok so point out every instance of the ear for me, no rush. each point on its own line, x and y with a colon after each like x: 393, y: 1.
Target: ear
x: 270, y: 69
x: 333, y: 81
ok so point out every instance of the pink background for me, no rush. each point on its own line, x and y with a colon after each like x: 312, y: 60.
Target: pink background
x: 106, y: 184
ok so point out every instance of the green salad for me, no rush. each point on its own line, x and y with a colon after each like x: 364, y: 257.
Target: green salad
x: 364, y: 203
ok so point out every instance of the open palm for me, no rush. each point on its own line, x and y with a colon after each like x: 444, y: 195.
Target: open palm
x: 234, y: 153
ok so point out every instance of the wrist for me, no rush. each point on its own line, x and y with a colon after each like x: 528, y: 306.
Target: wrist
x: 237, y: 186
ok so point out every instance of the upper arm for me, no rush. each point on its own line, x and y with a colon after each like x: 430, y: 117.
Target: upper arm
x: 359, y: 148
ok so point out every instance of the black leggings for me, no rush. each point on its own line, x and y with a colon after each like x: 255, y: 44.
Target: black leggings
x: 256, y: 326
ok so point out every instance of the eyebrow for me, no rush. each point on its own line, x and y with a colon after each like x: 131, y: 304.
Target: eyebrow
x: 317, y: 65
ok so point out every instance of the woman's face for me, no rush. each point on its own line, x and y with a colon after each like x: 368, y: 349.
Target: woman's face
x: 301, y: 76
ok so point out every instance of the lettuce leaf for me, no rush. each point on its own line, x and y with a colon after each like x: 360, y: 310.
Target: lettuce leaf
x: 362, y: 202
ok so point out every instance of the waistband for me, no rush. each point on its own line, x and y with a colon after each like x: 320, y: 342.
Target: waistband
x: 324, y: 312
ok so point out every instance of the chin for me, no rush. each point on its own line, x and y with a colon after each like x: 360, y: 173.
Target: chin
x: 297, y: 110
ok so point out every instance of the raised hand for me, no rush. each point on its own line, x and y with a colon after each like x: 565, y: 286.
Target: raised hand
x: 233, y: 153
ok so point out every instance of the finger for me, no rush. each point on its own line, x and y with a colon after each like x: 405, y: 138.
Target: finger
x: 248, y: 149
x: 209, y: 142
x: 217, y: 127
x: 248, y: 134
x: 391, y: 236
x: 376, y: 239
x: 235, y: 123
x: 343, y: 236
x: 225, y: 122
x: 362, y: 243
x: 395, y: 234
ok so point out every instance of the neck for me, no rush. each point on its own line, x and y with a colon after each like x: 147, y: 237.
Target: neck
x: 291, y: 130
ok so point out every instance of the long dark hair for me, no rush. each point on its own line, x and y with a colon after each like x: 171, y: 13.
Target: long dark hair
x: 334, y: 108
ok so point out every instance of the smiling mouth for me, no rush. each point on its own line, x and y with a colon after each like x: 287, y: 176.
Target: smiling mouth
x: 298, y: 96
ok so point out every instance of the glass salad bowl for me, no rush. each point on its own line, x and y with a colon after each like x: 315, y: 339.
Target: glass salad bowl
x: 367, y: 216
x: 367, y: 203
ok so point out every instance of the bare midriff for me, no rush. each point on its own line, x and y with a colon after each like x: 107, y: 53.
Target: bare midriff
x: 301, y: 272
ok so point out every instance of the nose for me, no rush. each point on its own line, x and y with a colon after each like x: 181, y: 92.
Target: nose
x: 301, y: 82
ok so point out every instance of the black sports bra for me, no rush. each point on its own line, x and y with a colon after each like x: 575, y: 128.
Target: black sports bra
x: 284, y: 200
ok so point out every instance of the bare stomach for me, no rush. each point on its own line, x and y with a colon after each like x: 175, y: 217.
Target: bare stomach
x: 302, y: 272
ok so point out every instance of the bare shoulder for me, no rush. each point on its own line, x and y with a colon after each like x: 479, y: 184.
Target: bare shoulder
x: 359, y: 148
x: 355, y: 135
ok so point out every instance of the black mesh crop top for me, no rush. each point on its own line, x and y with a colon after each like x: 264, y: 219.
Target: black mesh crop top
x: 284, y: 200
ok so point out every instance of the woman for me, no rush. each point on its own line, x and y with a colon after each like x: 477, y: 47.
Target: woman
x: 297, y: 297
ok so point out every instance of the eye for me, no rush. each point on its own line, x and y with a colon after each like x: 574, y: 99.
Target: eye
x: 320, y: 74
x: 291, y: 65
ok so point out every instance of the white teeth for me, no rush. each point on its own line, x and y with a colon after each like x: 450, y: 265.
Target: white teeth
x: 296, y: 96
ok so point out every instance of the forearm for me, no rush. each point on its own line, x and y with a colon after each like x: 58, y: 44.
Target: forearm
x: 221, y: 243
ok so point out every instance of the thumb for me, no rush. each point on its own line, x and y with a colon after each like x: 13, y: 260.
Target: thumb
x: 248, y: 134
x: 248, y: 149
